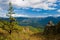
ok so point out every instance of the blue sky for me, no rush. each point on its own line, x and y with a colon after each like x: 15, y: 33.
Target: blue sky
x: 31, y: 8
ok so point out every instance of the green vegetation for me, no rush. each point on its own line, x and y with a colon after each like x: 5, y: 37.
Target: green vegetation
x: 18, y: 32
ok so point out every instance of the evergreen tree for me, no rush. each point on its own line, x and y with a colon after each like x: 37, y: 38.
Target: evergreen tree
x: 10, y: 13
x: 12, y: 19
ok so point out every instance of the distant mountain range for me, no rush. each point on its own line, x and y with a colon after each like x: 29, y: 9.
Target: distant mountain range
x: 35, y: 22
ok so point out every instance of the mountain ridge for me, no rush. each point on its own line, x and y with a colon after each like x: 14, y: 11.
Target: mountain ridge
x: 35, y: 22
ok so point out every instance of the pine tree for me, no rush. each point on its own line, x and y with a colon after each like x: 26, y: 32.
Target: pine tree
x: 11, y: 18
x: 11, y: 13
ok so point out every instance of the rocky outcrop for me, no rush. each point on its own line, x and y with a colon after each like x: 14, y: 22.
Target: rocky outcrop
x: 51, y: 31
x: 58, y: 28
x: 50, y: 28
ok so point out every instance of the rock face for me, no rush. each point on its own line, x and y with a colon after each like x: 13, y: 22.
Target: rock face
x: 51, y: 31
x: 58, y: 28
x: 50, y: 28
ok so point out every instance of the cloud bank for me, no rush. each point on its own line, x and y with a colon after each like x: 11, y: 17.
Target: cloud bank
x: 32, y: 8
x: 43, y: 4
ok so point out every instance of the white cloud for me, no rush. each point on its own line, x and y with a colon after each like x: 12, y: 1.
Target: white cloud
x: 20, y: 3
x: 45, y: 13
x: 13, y: 15
x: 49, y: 15
x: 43, y: 4
x: 58, y: 10
x: 24, y: 15
x: 52, y: 1
x: 19, y: 15
x: 25, y: 8
x: 56, y: 15
x: 0, y: 9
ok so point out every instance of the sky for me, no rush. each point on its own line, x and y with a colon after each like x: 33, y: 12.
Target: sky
x: 31, y: 8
